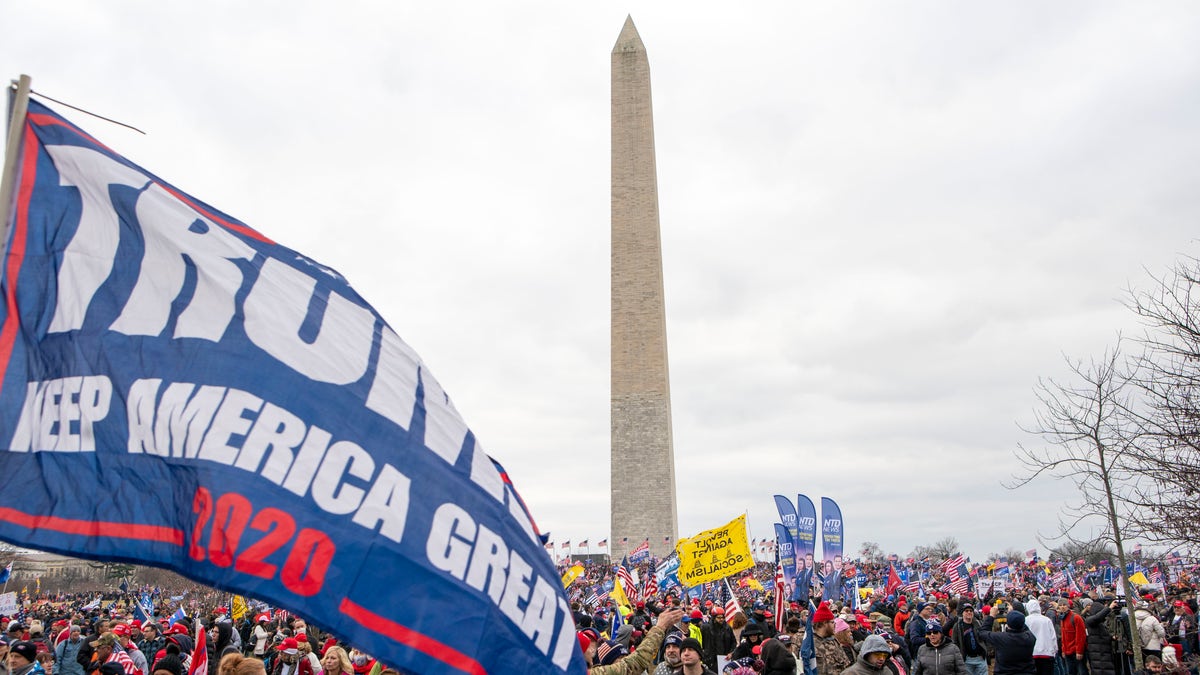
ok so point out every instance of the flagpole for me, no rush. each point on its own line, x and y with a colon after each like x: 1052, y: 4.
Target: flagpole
x: 18, y: 106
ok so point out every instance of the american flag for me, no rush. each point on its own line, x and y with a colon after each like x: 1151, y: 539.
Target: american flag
x: 779, y: 593
x: 1031, y: 554
x: 119, y: 656
x: 593, y: 598
x: 626, y: 578
x: 584, y: 544
x: 603, y: 543
x: 952, y: 563
x: 641, y: 552
x: 566, y: 544
x: 1156, y: 575
x: 732, y: 607
x: 912, y: 587
x: 960, y: 585
x: 651, y: 588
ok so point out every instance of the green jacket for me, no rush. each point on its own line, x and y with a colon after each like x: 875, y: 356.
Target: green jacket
x: 639, y: 661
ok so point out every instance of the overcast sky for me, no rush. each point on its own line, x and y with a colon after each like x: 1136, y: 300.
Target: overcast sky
x: 881, y: 222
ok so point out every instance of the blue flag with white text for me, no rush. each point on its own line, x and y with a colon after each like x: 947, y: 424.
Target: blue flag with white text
x: 239, y: 414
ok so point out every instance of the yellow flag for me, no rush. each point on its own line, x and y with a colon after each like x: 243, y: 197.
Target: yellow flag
x: 714, y: 554
x: 572, y: 574
x: 239, y: 608
x: 618, y: 594
x: 1139, y: 579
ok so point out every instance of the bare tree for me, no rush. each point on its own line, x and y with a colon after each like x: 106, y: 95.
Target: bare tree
x: 1093, y: 436
x: 1090, y: 552
x: 1169, y: 380
x: 872, y: 552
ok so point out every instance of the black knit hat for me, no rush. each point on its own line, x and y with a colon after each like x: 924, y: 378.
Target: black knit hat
x: 170, y: 663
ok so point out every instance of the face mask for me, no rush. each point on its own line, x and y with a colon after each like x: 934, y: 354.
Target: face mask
x: 359, y: 659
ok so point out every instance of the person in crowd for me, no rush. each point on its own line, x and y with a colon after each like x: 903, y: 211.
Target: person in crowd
x: 831, y: 658
x: 1014, y: 645
x: 1074, y: 637
x: 641, y: 659
x: 671, y: 661
x: 1101, y: 656
x: 1150, y: 630
x: 873, y: 658
x: 751, y: 637
x: 691, y: 655
x: 22, y: 658
x: 938, y: 656
x: 777, y: 658
x: 236, y: 664
x: 336, y: 662
x: 964, y: 636
x: 1045, y: 647
x: 66, y: 652
x: 717, y: 638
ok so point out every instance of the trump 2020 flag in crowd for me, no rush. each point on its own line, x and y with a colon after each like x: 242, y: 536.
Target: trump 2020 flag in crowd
x: 176, y: 389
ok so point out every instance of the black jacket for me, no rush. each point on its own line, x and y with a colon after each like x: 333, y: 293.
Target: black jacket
x: 1014, y: 649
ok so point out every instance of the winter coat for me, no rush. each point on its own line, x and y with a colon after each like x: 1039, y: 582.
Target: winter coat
x: 718, y: 641
x: 640, y: 660
x: 1150, y: 629
x: 1099, y: 640
x: 1014, y: 649
x: 961, y: 633
x: 1074, y: 635
x: 1042, y: 628
x: 944, y: 659
x: 64, y: 657
x: 777, y: 659
x: 831, y: 658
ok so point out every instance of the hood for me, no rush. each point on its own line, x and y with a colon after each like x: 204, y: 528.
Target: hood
x: 872, y: 644
x: 1033, y: 607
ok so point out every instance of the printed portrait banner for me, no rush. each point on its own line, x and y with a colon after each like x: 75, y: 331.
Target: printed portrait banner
x: 831, y: 548
x: 178, y: 390
x: 806, y: 531
x: 786, y: 543
x: 806, y: 547
x: 787, y: 558
x: 714, y: 554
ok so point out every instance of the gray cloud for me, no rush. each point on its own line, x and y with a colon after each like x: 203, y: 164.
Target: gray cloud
x: 881, y: 224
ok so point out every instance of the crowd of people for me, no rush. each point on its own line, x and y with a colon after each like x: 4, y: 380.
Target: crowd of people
x: 105, y: 635
x: 1022, y: 632
x: 740, y: 626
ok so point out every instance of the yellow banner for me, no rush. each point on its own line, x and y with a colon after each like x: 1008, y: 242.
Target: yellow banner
x: 572, y: 574
x: 1139, y: 579
x: 618, y: 594
x: 238, y: 608
x: 714, y: 554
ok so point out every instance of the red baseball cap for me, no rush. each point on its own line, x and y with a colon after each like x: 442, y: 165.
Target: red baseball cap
x: 288, y: 644
x: 121, y: 629
x: 697, y: 614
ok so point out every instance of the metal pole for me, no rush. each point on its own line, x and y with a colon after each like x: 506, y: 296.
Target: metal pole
x: 18, y: 105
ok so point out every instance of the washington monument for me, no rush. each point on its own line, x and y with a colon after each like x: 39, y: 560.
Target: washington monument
x: 643, y: 456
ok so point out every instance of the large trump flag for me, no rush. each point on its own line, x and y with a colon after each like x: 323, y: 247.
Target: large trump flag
x: 177, y: 389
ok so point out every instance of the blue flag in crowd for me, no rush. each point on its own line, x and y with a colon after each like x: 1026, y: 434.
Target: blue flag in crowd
x: 808, y: 653
x: 243, y: 417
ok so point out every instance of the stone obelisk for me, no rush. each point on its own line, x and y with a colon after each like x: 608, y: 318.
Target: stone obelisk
x: 643, y: 457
